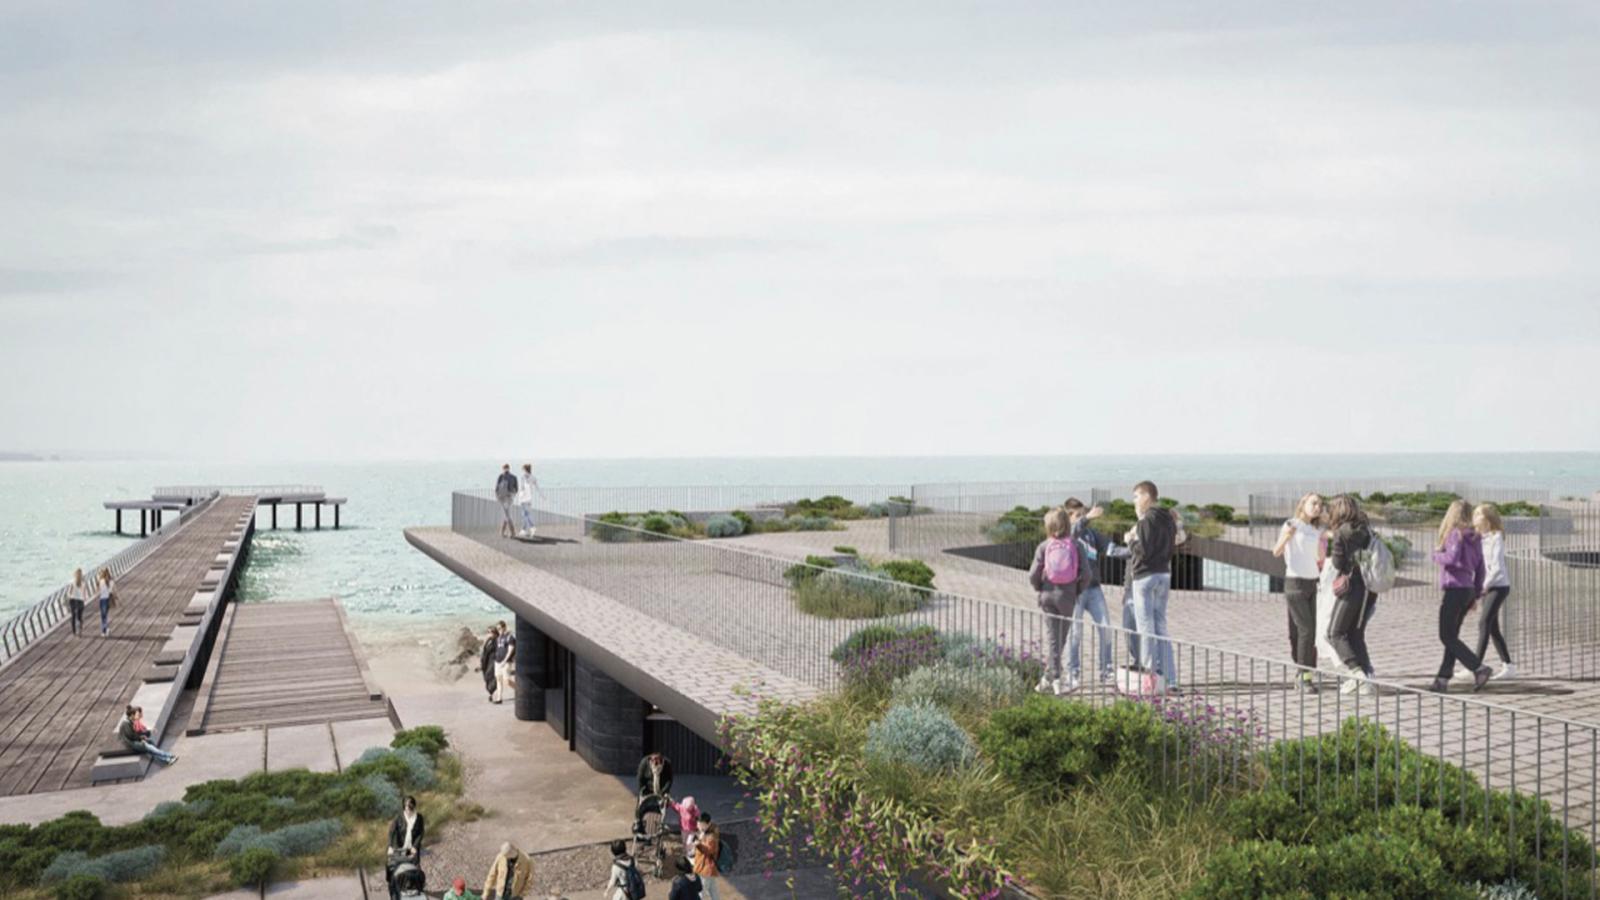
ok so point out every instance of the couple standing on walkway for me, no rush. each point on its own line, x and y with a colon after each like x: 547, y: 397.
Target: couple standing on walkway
x: 497, y: 659
x: 1326, y: 591
x: 1066, y: 574
x: 80, y: 590
x: 509, y: 490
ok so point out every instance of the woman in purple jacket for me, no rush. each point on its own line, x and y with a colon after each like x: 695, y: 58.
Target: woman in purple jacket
x: 1461, y: 571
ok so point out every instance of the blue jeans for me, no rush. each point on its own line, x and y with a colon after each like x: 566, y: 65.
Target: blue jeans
x: 1130, y: 626
x: 154, y: 752
x: 527, y: 515
x: 105, y: 615
x: 1093, y: 602
x: 1150, y: 615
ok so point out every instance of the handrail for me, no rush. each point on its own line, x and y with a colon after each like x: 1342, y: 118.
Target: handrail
x: 205, y: 490
x: 28, y: 625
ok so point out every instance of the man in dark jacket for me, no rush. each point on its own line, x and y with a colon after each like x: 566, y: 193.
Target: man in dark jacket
x: 486, y: 660
x: 655, y: 782
x: 1150, y: 546
x: 505, y: 491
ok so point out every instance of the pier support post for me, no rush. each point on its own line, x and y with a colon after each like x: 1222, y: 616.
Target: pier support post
x: 155, y: 519
x: 119, y: 521
x: 531, y: 675
x: 336, y: 517
x: 274, y: 517
x: 144, y: 526
x: 317, y: 516
x: 297, y: 507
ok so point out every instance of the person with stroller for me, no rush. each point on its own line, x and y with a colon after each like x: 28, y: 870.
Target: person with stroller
x: 405, y: 833
x: 655, y: 782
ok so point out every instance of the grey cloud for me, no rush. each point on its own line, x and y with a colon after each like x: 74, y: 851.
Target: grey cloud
x: 25, y: 282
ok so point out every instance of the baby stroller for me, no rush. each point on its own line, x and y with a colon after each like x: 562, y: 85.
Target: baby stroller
x: 406, y: 879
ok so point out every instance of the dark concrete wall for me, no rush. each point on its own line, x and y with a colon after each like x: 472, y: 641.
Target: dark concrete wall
x: 532, y: 670
x: 609, y: 721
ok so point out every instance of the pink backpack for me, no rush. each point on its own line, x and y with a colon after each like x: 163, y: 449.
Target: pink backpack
x: 1060, y: 561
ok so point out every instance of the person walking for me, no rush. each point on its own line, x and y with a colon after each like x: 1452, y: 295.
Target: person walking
x: 405, y: 833
x: 1152, y: 542
x: 106, y: 587
x: 655, y: 783
x: 1300, y: 546
x: 687, y: 885
x: 624, y: 879
x: 505, y: 491
x: 1496, y: 586
x: 486, y: 660
x: 1092, y: 548
x: 1459, y: 555
x: 509, y: 875
x: 1350, y: 533
x: 1054, y: 576
x: 525, y: 491
x: 505, y: 656
x: 135, y: 736
x: 707, y: 846
x: 77, y: 598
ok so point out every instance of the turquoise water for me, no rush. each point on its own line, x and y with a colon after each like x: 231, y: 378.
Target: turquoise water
x: 51, y: 518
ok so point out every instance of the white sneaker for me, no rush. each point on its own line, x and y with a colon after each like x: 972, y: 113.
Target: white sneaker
x: 1066, y: 687
x: 1367, y: 689
x: 1505, y: 674
x: 1045, y: 686
x: 1351, y: 682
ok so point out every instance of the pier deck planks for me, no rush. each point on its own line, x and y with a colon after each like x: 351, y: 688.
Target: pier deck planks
x: 286, y: 664
x: 61, y: 699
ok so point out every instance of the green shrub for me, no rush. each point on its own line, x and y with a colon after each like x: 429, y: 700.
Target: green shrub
x: 1506, y: 890
x: 1360, y: 865
x: 724, y: 526
x: 81, y: 887
x: 869, y: 636
x: 429, y: 739
x: 1221, y: 512
x: 1052, y: 746
x: 846, y: 550
x: 120, y: 867
x: 1020, y: 525
x: 922, y: 736
x: 238, y: 840
x: 745, y: 519
x: 385, y: 796
x: 914, y: 572
x: 962, y: 690
x: 658, y: 524
x: 838, y: 595
x: 811, y: 568
x: 253, y: 867
x: 290, y: 840
x: 407, y: 767
x: 202, y: 842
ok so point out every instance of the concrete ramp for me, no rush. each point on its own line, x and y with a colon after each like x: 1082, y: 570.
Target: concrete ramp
x: 285, y: 664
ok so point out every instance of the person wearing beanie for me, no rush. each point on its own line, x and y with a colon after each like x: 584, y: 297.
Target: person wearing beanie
x: 458, y: 891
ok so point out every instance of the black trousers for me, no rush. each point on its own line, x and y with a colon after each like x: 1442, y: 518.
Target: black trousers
x: 1451, y: 612
x: 1300, y: 595
x: 76, y: 607
x: 1347, y: 629
x: 1489, y: 623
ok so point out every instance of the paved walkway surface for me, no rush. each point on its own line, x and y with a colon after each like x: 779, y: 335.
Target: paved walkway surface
x: 61, y: 699
x: 287, y: 664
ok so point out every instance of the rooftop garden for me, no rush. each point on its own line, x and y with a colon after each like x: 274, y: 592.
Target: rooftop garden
x: 822, y: 514
x: 240, y: 833
x: 1024, y: 525
x: 936, y: 762
x: 1429, y: 507
x: 859, y: 589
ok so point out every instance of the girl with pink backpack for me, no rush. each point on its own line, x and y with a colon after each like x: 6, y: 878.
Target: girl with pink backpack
x: 1055, y: 572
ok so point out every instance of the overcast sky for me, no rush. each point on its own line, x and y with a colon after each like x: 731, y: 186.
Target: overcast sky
x: 325, y: 230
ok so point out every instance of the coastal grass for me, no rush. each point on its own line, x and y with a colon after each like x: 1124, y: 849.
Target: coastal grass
x: 830, y: 596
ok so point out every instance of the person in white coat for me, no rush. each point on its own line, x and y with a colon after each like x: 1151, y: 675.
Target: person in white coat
x: 1496, y: 585
x: 526, y: 488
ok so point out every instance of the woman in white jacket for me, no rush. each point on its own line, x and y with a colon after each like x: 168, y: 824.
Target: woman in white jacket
x: 1496, y: 585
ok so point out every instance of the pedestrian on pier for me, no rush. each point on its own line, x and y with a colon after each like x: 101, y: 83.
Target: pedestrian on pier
x: 1151, y: 544
x: 108, y: 598
x: 1353, y: 603
x: 77, y: 598
x: 505, y: 491
x: 1300, y: 547
x: 486, y: 660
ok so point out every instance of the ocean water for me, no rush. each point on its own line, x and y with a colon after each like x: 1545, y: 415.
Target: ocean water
x: 51, y: 518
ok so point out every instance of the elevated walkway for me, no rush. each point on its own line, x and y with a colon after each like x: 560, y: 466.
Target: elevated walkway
x: 62, y: 696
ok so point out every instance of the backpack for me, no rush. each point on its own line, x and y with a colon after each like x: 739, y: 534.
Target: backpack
x: 727, y: 852
x: 1061, y: 561
x: 632, y: 882
x: 1377, y: 565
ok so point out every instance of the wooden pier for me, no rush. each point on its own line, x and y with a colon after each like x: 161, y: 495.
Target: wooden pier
x: 279, y: 664
x: 62, y: 696
x: 166, y: 499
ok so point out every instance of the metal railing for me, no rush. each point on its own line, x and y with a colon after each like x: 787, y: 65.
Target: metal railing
x: 1233, y: 707
x: 37, y: 620
x: 191, y: 491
